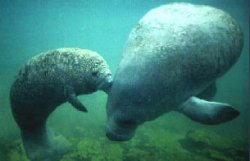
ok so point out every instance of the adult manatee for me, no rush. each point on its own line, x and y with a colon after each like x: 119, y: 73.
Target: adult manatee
x: 44, y: 83
x: 175, y: 53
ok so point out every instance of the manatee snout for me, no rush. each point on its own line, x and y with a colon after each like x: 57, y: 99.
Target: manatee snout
x: 106, y: 83
x: 121, y: 112
x: 121, y: 130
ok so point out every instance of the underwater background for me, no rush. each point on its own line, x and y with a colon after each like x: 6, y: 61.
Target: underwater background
x: 28, y: 27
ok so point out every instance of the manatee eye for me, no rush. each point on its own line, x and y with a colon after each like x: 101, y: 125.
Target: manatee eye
x: 94, y: 73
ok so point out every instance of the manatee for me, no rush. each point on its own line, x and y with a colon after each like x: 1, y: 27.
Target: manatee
x: 45, y: 82
x: 171, y: 62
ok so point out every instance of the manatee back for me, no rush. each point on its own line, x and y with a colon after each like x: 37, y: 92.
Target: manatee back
x: 176, y: 50
x: 44, y: 76
x: 187, y: 31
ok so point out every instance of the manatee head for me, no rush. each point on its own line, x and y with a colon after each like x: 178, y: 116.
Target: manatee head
x: 95, y: 71
x: 125, y: 110
x: 121, y: 126
x: 99, y: 73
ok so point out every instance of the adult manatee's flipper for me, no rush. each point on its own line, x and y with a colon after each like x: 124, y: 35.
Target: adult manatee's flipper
x: 207, y: 112
x: 72, y: 98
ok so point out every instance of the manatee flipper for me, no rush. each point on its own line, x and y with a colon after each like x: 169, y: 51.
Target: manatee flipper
x: 206, y: 112
x: 72, y: 99
x: 209, y: 92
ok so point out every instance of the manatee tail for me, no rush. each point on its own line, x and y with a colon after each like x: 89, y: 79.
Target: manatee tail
x: 206, y: 112
x: 40, y: 143
x: 44, y: 145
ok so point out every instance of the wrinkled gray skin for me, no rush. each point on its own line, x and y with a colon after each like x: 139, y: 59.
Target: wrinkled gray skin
x: 47, y: 81
x: 176, y: 52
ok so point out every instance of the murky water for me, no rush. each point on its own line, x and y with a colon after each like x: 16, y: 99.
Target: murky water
x: 30, y: 27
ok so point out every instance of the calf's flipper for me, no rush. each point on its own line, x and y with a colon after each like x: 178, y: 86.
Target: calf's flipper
x: 72, y: 99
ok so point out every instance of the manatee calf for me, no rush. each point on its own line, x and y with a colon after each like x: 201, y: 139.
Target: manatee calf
x: 45, y: 82
x: 172, y: 57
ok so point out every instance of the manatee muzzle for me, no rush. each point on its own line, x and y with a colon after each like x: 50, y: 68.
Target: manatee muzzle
x: 105, y: 83
x: 116, y: 133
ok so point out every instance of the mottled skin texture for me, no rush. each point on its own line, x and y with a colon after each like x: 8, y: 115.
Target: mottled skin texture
x: 176, y: 51
x: 48, y: 80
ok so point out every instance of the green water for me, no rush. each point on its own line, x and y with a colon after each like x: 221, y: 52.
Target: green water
x: 29, y: 27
